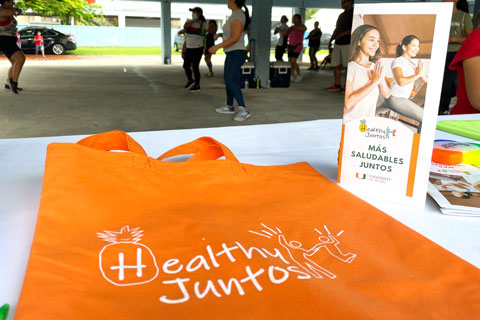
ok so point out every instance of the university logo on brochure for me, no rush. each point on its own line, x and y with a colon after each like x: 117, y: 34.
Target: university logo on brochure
x: 127, y: 262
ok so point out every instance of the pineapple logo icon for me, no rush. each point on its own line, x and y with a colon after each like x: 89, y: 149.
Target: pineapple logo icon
x: 125, y: 262
x: 363, y: 126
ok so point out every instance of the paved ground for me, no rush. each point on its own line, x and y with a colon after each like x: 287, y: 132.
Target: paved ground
x: 94, y: 94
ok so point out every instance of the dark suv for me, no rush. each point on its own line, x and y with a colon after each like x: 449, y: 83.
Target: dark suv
x: 54, y: 41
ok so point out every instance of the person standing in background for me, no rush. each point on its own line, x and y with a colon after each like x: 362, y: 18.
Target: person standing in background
x: 467, y: 64
x: 39, y: 45
x: 341, y: 36
x: 314, y: 45
x: 295, y: 45
x: 282, y: 40
x: 210, y: 42
x: 234, y: 46
x: 195, y: 31
x: 460, y: 27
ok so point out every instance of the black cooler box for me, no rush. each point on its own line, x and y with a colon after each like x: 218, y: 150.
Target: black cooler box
x: 280, y: 74
x: 247, y: 75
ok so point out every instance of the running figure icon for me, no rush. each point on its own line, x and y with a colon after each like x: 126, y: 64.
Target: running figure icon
x: 302, y: 257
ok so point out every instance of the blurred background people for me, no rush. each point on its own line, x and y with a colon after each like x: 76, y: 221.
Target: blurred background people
x: 295, y: 45
x: 8, y: 43
x: 234, y: 46
x: 210, y: 42
x: 314, y: 45
x: 467, y: 63
x: 340, y: 52
x: 195, y: 31
x: 461, y: 26
x: 282, y: 40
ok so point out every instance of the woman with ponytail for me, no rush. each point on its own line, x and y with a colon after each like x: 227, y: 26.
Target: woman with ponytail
x: 234, y: 46
x: 405, y: 73
x: 195, y: 31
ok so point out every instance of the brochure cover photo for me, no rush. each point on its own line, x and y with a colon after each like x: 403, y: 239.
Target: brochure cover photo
x: 393, y: 83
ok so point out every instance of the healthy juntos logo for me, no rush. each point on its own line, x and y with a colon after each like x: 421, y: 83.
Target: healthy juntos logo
x: 126, y: 262
x: 363, y: 126
x: 376, y: 132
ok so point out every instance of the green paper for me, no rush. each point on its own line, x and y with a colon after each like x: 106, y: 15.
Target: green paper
x: 464, y: 128
x: 4, y: 311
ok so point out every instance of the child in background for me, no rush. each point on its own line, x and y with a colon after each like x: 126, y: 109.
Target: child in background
x: 365, y: 75
x: 210, y: 42
x: 39, y: 44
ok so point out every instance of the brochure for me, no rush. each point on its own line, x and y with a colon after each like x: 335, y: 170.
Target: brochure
x: 456, y: 188
x: 392, y: 93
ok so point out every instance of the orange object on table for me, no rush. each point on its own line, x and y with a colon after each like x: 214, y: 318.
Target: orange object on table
x: 121, y: 235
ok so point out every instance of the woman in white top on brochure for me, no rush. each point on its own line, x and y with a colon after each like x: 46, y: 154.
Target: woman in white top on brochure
x: 405, y: 73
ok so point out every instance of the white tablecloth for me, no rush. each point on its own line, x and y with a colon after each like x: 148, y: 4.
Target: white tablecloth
x: 317, y: 142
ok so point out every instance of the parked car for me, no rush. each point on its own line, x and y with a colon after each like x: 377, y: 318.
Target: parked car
x: 324, y: 40
x: 178, y: 41
x: 54, y: 41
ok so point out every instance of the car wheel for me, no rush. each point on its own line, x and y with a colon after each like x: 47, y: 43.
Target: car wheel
x: 175, y: 45
x: 58, y: 49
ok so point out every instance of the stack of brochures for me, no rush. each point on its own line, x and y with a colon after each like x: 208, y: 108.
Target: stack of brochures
x: 456, y: 188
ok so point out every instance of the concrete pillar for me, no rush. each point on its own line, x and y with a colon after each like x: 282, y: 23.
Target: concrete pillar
x: 165, y: 23
x: 261, y: 36
x: 122, y: 20
x: 476, y: 10
x: 303, y: 13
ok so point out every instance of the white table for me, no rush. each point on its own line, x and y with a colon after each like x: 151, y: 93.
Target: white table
x: 317, y: 142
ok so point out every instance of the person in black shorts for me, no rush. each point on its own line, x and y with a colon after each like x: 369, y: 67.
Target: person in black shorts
x: 8, y: 42
x: 210, y: 42
x: 295, y: 45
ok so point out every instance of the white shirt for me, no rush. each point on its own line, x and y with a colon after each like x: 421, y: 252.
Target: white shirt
x: 194, y: 36
x: 408, y: 70
x: 366, y: 107
x: 227, y: 31
x: 282, y: 28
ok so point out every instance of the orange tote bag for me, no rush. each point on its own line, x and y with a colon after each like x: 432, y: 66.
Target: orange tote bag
x: 121, y: 235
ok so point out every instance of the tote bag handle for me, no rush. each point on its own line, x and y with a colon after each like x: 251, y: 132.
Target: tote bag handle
x: 204, y: 148
x: 113, y: 140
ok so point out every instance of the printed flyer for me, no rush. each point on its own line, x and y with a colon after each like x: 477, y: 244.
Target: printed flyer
x: 392, y: 92
x: 456, y: 188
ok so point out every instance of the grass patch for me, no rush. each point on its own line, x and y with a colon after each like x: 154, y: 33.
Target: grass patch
x: 138, y: 51
x: 124, y: 51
